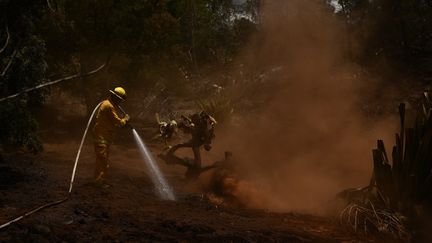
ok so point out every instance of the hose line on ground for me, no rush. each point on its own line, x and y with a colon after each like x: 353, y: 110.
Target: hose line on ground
x: 71, y: 180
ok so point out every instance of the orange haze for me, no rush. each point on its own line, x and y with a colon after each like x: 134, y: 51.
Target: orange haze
x: 311, y: 140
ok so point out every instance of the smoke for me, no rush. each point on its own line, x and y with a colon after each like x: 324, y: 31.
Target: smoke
x: 311, y: 140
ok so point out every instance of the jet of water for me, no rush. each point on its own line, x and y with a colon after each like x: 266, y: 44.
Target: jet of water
x: 156, y: 176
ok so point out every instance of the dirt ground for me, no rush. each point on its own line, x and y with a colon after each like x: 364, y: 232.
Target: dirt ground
x: 130, y: 211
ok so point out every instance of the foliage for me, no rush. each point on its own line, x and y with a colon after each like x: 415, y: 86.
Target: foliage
x: 23, y: 65
x: 397, y: 33
x: 148, y: 42
x: 221, y: 108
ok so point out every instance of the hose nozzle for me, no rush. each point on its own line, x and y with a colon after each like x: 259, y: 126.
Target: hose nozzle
x: 128, y: 124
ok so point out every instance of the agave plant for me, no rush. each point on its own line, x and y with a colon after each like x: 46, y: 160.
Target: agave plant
x: 221, y: 108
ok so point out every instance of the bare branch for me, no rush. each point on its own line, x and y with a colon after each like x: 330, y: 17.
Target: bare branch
x: 54, y: 82
x: 9, y: 64
x: 7, y: 40
x: 49, y: 5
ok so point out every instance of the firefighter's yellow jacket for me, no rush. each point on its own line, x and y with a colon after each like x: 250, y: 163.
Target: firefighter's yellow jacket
x: 107, y: 120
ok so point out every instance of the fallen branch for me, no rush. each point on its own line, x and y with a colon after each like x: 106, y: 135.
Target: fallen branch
x: 54, y: 82
x: 373, y: 219
x: 9, y: 64
x: 49, y: 5
x: 7, y: 40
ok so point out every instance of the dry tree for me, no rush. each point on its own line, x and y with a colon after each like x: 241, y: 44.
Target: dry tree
x: 398, y: 186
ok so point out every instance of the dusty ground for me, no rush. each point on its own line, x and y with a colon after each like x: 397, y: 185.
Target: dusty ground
x: 130, y: 211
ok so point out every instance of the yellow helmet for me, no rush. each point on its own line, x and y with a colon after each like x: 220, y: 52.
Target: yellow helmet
x: 119, y: 92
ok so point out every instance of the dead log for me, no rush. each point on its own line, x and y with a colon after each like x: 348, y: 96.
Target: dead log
x: 79, y: 75
x: 7, y: 40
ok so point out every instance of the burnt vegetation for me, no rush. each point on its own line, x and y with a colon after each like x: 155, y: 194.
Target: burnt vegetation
x: 193, y: 51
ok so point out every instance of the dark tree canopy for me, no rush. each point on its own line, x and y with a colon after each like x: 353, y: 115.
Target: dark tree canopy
x: 22, y: 65
x: 147, y: 42
x: 171, y: 43
x: 398, y: 33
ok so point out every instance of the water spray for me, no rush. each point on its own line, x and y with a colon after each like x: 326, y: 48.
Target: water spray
x: 164, y: 190
x: 158, y: 179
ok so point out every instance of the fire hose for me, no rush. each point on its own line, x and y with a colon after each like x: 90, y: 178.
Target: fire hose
x: 68, y: 195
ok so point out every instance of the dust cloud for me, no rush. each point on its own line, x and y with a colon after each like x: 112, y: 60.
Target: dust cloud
x: 311, y: 140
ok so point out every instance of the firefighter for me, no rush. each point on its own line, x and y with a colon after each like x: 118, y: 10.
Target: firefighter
x: 107, y: 121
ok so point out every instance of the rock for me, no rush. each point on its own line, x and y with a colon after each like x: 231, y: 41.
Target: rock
x: 105, y: 215
x: 37, y: 238
x: 68, y: 222
x: 42, y: 229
